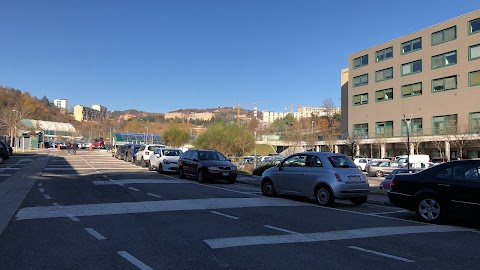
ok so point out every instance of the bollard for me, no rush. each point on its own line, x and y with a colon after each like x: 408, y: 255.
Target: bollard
x: 58, y: 146
x: 91, y: 147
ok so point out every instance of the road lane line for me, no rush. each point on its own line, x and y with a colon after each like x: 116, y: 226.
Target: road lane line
x: 134, y: 189
x: 95, y: 234
x: 41, y: 190
x: 224, y: 215
x: 56, y: 204
x: 361, y: 233
x: 391, y: 212
x: 40, y: 184
x: 127, y: 256
x: 72, y: 217
x: 47, y: 196
x: 154, y: 195
x: 381, y: 254
x: 140, y: 181
x: 280, y: 229
x: 5, y: 174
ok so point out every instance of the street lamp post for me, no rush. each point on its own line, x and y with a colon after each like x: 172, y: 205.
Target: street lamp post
x: 408, y: 119
x: 255, y: 150
x: 15, y: 129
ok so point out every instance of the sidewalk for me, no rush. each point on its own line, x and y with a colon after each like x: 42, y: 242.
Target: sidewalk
x: 377, y: 196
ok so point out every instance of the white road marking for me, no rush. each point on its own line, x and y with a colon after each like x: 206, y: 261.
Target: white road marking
x: 140, y: 181
x: 327, y: 236
x: 279, y: 229
x: 224, y: 215
x: 72, y: 217
x: 47, y: 196
x: 40, y: 184
x: 104, y: 176
x: 134, y: 260
x: 154, y: 195
x: 134, y: 189
x: 66, y: 169
x: 56, y: 204
x: 4, y: 174
x: 9, y: 168
x: 38, y: 212
x: 381, y: 254
x: 95, y: 234
x: 41, y: 190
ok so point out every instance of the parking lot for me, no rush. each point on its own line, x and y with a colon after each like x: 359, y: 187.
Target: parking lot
x: 14, y: 163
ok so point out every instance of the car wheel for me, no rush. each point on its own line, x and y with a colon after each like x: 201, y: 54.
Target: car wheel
x: 430, y: 209
x: 150, y: 168
x: 181, y: 175
x: 142, y: 163
x: 231, y: 181
x: 379, y: 173
x: 359, y: 201
x: 324, y: 196
x: 1, y: 159
x: 201, y: 176
x: 160, y: 168
x: 360, y: 168
x: 268, y: 189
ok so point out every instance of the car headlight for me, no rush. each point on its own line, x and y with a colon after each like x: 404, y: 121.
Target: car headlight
x: 166, y: 161
x: 234, y: 167
x: 213, y: 168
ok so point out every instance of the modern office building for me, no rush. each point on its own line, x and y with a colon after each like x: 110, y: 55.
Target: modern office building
x: 430, y: 77
x: 61, y: 104
x: 82, y: 113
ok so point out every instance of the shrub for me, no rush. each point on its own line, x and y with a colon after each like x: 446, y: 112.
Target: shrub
x: 259, y: 170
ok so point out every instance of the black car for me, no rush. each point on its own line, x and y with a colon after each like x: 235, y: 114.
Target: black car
x: 447, y: 189
x: 3, y: 152
x: 206, y: 165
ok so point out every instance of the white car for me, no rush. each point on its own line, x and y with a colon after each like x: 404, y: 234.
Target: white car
x: 165, y: 160
x: 143, y: 154
x: 361, y: 162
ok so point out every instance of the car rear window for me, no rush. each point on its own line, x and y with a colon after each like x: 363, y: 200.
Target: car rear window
x: 152, y: 148
x: 341, y: 162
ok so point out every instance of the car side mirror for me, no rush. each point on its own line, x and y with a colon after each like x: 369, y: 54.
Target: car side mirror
x: 157, y: 155
x: 280, y: 166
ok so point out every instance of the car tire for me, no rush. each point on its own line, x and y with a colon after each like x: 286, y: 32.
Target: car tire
x: 360, y: 168
x: 231, y: 181
x: 430, y: 209
x: 142, y: 163
x: 268, y: 189
x: 181, y: 175
x: 1, y: 159
x: 324, y: 196
x: 379, y: 174
x: 201, y: 176
x: 150, y: 168
x: 359, y: 201
x: 160, y: 168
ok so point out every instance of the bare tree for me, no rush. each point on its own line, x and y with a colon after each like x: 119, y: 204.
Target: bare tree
x: 415, y: 140
x: 461, y: 138
x: 352, y: 141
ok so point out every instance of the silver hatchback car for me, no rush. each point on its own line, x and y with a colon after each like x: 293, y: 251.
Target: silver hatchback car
x: 324, y: 176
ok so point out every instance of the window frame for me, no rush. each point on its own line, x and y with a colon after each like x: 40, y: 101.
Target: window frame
x: 416, y: 131
x: 363, y: 128
x: 361, y: 99
x: 361, y: 61
x: 443, y: 35
x: 476, y: 127
x: 444, y: 78
x: 384, y: 78
x: 411, y: 68
x: 470, y: 84
x: 383, y: 51
x: 386, y: 126
x: 470, y: 52
x: 470, y: 32
x: 411, y: 88
x: 359, y: 76
x: 434, y: 129
x: 444, y: 57
x: 411, y: 42
x: 384, y: 93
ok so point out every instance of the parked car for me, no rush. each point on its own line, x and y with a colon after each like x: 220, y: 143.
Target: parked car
x: 361, y: 162
x: 439, y: 160
x: 451, y: 188
x: 165, y: 160
x: 120, y: 152
x: 381, y: 168
x: 142, y: 157
x: 206, y: 165
x: 10, y: 150
x: 4, y: 155
x: 385, y: 184
x: 131, y: 151
x: 324, y: 176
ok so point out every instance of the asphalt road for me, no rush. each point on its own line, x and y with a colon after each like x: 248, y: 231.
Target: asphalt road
x: 90, y: 211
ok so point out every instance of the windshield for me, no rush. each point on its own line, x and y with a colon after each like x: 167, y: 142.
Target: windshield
x: 172, y: 152
x: 210, y: 155
x: 341, y: 162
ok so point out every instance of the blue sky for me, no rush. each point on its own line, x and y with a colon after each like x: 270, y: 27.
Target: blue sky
x: 160, y: 56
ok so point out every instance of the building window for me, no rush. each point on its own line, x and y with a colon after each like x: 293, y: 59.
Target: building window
x: 475, y: 122
x: 360, y: 99
x: 474, y: 52
x: 384, y: 129
x: 411, y: 46
x: 360, y: 80
x: 361, y: 130
x: 412, y: 67
x: 443, y: 60
x: 444, y: 35
x: 416, y: 127
x: 444, y: 84
x: 474, y: 26
x: 384, y: 74
x: 474, y: 78
x: 410, y: 90
x: 360, y: 61
x: 383, y: 95
x: 444, y: 124
x: 383, y: 54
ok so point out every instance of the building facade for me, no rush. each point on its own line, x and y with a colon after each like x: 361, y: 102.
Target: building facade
x: 303, y: 112
x: 82, y: 113
x: 61, y: 104
x: 431, y: 77
x: 204, y: 116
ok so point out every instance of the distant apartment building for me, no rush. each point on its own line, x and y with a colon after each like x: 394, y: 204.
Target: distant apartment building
x: 61, y: 104
x: 303, y: 112
x: 204, y: 116
x: 126, y: 116
x: 431, y: 77
x: 82, y: 113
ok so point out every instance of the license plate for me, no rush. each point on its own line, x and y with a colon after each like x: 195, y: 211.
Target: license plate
x: 354, y: 178
x: 225, y: 174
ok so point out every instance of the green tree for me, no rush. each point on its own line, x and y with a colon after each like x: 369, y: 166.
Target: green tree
x: 230, y: 139
x: 176, y: 137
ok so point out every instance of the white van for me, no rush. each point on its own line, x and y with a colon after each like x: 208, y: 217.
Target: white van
x: 416, y: 161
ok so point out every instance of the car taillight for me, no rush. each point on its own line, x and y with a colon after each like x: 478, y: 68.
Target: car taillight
x: 337, y: 177
x: 147, y: 153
